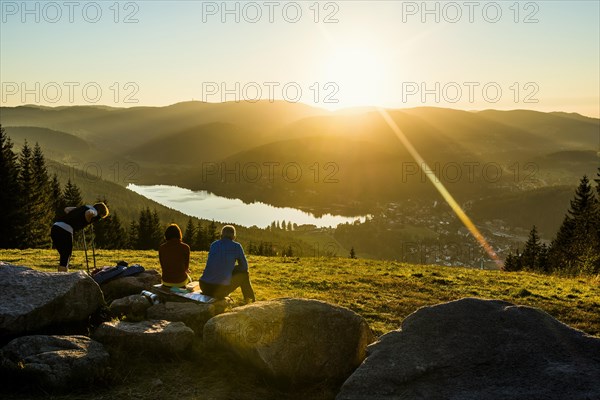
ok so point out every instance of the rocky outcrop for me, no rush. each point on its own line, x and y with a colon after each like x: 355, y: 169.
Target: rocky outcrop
x: 295, y: 341
x: 129, y: 285
x: 151, y: 338
x: 32, y: 300
x: 53, y: 362
x: 479, y: 349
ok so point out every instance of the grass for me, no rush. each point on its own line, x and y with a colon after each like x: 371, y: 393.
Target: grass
x: 383, y: 292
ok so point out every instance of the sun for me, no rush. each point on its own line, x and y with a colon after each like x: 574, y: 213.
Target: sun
x: 359, y: 73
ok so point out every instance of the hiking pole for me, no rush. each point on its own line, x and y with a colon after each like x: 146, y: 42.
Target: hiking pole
x: 87, y: 264
x: 93, y: 246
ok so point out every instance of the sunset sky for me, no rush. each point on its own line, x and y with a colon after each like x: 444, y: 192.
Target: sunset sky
x: 541, y: 55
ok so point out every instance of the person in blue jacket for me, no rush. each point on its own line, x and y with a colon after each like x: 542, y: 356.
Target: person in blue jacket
x: 75, y: 219
x: 226, y: 268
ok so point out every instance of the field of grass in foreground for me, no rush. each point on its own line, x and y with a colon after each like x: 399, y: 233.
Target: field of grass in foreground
x: 383, y: 292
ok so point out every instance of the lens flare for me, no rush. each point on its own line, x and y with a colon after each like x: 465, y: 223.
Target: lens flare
x: 440, y: 187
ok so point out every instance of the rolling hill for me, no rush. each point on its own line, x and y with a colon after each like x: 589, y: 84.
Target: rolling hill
x: 504, y: 163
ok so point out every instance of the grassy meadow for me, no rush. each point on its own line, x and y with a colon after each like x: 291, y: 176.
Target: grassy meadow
x: 383, y: 292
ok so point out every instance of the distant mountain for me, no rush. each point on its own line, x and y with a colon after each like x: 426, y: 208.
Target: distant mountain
x: 474, y: 154
x: 61, y: 143
x: 204, y: 143
x: 122, y: 129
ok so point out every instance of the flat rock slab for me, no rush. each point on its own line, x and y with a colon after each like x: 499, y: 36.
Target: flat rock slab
x: 31, y: 300
x: 193, y: 314
x: 54, y: 362
x: 479, y: 349
x: 150, y: 337
x: 295, y: 341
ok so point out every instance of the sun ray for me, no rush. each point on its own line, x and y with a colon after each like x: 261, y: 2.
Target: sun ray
x: 460, y: 213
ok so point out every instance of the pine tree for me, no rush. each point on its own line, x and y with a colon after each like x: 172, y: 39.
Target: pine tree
x: 352, y: 252
x: 72, y: 198
x: 42, y: 203
x: 199, y: 243
x: 149, y: 230
x: 133, y: 237
x: 283, y: 225
x: 529, y: 257
x: 513, y: 262
x: 72, y: 195
x: 190, y: 232
x: 541, y: 262
x: 158, y: 232
x: 211, y: 233
x: 57, y: 198
x: 9, y: 193
x: 289, y: 226
x: 26, y: 198
x: 576, y: 248
x: 108, y: 232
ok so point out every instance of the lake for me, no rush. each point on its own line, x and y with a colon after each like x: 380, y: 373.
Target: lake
x: 206, y: 205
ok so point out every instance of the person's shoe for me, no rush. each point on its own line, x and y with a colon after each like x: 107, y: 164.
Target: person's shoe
x: 63, y: 269
x: 248, y: 300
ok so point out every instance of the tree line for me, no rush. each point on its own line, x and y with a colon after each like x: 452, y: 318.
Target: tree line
x: 31, y: 200
x: 575, y: 250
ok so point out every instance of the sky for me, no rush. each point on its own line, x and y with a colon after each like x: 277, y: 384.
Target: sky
x: 539, y: 55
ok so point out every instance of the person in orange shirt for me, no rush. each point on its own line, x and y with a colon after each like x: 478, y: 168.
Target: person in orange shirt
x: 174, y: 256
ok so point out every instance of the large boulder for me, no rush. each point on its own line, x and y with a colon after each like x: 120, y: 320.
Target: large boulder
x: 151, y: 338
x: 479, y: 349
x: 295, y: 341
x: 31, y: 300
x: 193, y: 314
x: 128, y: 285
x: 53, y: 362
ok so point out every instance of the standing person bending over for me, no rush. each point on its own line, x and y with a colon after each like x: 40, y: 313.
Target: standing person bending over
x: 76, y: 219
x: 221, y: 275
x: 174, y: 258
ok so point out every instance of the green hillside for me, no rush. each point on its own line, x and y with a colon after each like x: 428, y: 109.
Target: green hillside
x: 511, y: 167
x: 544, y: 207
x: 128, y: 204
x: 383, y: 292
x: 204, y: 143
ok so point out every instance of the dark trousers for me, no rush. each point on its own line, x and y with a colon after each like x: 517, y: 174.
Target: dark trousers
x: 63, y: 242
x: 239, y: 279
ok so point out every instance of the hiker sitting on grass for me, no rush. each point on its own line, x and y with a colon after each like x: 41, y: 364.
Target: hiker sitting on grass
x: 174, y: 256
x: 221, y: 275
x: 76, y: 219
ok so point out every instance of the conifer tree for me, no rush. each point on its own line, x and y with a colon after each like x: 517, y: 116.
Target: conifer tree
x: 72, y: 195
x: 26, y: 198
x: 199, y: 243
x: 576, y: 247
x: 108, y: 232
x: 57, y: 198
x: 149, y: 230
x: 211, y: 233
x: 133, y: 235
x: 42, y: 205
x: 9, y: 193
x: 513, y: 262
x: 190, y: 232
x: 529, y: 257
x: 158, y: 231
